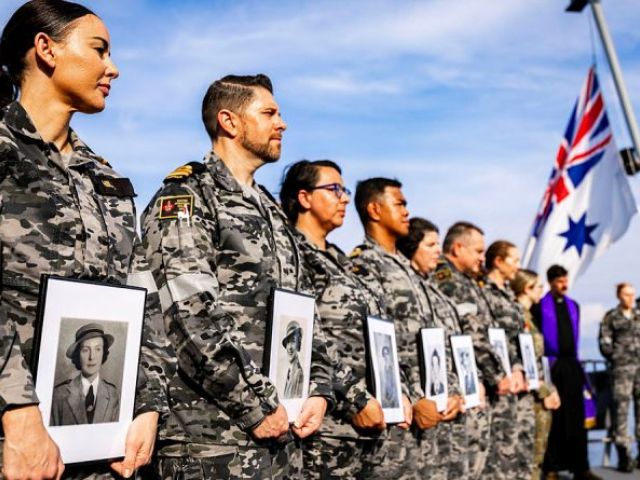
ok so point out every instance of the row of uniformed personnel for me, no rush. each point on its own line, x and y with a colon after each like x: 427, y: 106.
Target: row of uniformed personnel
x: 215, y: 244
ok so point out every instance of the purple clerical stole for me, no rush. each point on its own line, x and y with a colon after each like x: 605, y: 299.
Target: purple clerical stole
x: 549, y: 325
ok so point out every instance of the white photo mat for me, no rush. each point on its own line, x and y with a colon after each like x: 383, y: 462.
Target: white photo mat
x: 294, y: 311
x: 529, y: 363
x: 465, y: 360
x: 498, y: 340
x: 69, y: 301
x: 383, y: 360
x: 433, y: 353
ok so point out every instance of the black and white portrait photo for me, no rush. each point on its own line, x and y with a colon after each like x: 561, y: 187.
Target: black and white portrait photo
x: 529, y: 361
x: 383, y: 369
x: 465, y: 361
x: 288, y: 358
x: 498, y: 340
x: 434, y: 366
x: 85, y: 363
x: 388, y: 387
x: 88, y: 373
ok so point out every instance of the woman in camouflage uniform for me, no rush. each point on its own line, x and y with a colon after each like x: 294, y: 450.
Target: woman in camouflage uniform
x: 63, y: 211
x: 528, y: 290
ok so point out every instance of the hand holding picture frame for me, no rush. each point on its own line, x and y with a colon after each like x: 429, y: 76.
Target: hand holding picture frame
x: 433, y: 366
x: 382, y: 365
x: 287, y: 360
x: 85, y: 364
x: 465, y: 360
x: 498, y: 340
x: 529, y: 360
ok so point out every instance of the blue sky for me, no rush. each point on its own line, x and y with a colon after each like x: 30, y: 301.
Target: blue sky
x: 464, y: 101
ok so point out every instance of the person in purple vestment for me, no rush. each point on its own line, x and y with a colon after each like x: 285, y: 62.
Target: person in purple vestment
x: 559, y: 320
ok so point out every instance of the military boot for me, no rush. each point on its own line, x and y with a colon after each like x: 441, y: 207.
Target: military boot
x: 625, y: 462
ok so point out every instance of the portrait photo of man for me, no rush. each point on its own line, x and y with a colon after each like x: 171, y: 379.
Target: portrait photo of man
x: 528, y: 360
x: 467, y: 371
x: 436, y: 386
x: 86, y: 398
x: 292, y: 343
x: 388, y: 386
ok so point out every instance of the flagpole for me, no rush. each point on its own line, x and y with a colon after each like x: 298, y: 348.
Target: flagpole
x: 614, y: 65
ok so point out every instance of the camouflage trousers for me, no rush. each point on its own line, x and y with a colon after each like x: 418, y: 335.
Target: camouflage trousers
x: 429, y: 457
x: 452, y: 461
x: 399, y: 457
x: 626, y: 385
x: 329, y: 458
x: 543, y: 427
x: 526, y: 426
x: 218, y: 462
x: 504, y: 436
x: 478, y: 423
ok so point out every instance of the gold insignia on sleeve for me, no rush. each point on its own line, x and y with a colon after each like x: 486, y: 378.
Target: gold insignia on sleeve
x: 107, y: 184
x: 356, y: 253
x: 180, y: 173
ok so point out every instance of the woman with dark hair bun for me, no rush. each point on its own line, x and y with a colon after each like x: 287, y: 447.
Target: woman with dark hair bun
x: 63, y: 211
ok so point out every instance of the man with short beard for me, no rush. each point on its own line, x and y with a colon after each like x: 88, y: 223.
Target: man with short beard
x: 218, y: 245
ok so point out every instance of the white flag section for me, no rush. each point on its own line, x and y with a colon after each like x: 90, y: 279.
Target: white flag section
x: 588, y: 203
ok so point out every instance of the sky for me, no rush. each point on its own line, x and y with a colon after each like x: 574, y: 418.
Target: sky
x: 463, y: 101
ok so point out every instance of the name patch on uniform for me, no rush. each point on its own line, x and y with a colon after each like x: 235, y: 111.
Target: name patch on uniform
x: 179, y: 206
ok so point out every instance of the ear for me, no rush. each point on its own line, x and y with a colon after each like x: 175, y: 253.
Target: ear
x: 304, y: 200
x: 229, y: 122
x: 373, y: 210
x: 45, y: 49
x: 455, y: 249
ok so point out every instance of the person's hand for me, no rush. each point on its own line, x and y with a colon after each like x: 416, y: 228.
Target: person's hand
x: 454, y: 407
x: 138, y: 447
x: 518, y: 383
x: 370, y: 417
x: 28, y: 450
x: 552, y: 401
x: 408, y: 413
x: 310, y: 418
x: 425, y: 414
x: 482, y: 396
x: 273, y: 425
x: 504, y: 386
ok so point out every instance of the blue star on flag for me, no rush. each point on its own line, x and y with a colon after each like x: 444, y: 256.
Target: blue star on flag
x: 579, y: 234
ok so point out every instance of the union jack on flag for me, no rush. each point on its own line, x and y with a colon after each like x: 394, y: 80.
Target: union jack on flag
x: 587, y: 203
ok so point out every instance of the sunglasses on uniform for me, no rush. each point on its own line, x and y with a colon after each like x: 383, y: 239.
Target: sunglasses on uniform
x: 336, y: 188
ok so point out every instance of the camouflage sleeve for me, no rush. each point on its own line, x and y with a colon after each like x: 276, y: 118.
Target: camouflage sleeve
x: 364, y: 268
x: 322, y: 366
x: 205, y: 336
x: 467, y: 302
x: 157, y: 360
x: 453, y: 383
x: 513, y: 345
x: 605, y: 337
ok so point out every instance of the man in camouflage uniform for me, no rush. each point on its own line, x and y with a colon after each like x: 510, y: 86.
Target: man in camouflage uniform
x: 347, y: 445
x: 74, y: 219
x: 218, y: 246
x: 383, y: 213
x: 463, y: 248
x: 422, y: 247
x: 620, y: 344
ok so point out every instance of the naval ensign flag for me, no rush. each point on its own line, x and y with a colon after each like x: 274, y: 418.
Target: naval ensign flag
x: 588, y: 203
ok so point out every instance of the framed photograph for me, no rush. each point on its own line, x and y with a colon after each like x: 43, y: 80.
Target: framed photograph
x: 546, y: 370
x: 498, y: 340
x: 383, y: 368
x: 85, y: 364
x: 433, y: 366
x: 529, y: 360
x: 287, y: 359
x: 465, y: 360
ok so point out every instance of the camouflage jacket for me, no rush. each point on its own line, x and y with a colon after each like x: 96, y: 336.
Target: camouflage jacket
x: 391, y: 278
x: 217, y: 251
x: 76, y: 221
x: 620, y: 337
x: 507, y: 314
x: 343, y: 303
x: 475, y: 319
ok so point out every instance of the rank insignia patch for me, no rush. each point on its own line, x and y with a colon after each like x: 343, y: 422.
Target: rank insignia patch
x: 179, y: 206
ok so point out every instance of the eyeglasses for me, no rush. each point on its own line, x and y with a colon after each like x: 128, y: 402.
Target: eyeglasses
x: 336, y: 188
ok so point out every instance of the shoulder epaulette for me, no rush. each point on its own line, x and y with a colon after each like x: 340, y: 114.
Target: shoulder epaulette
x: 185, y: 171
x: 109, y: 383
x: 356, y: 252
x: 443, y: 273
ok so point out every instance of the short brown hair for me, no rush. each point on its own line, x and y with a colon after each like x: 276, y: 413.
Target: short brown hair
x: 620, y: 286
x: 498, y: 249
x: 456, y: 231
